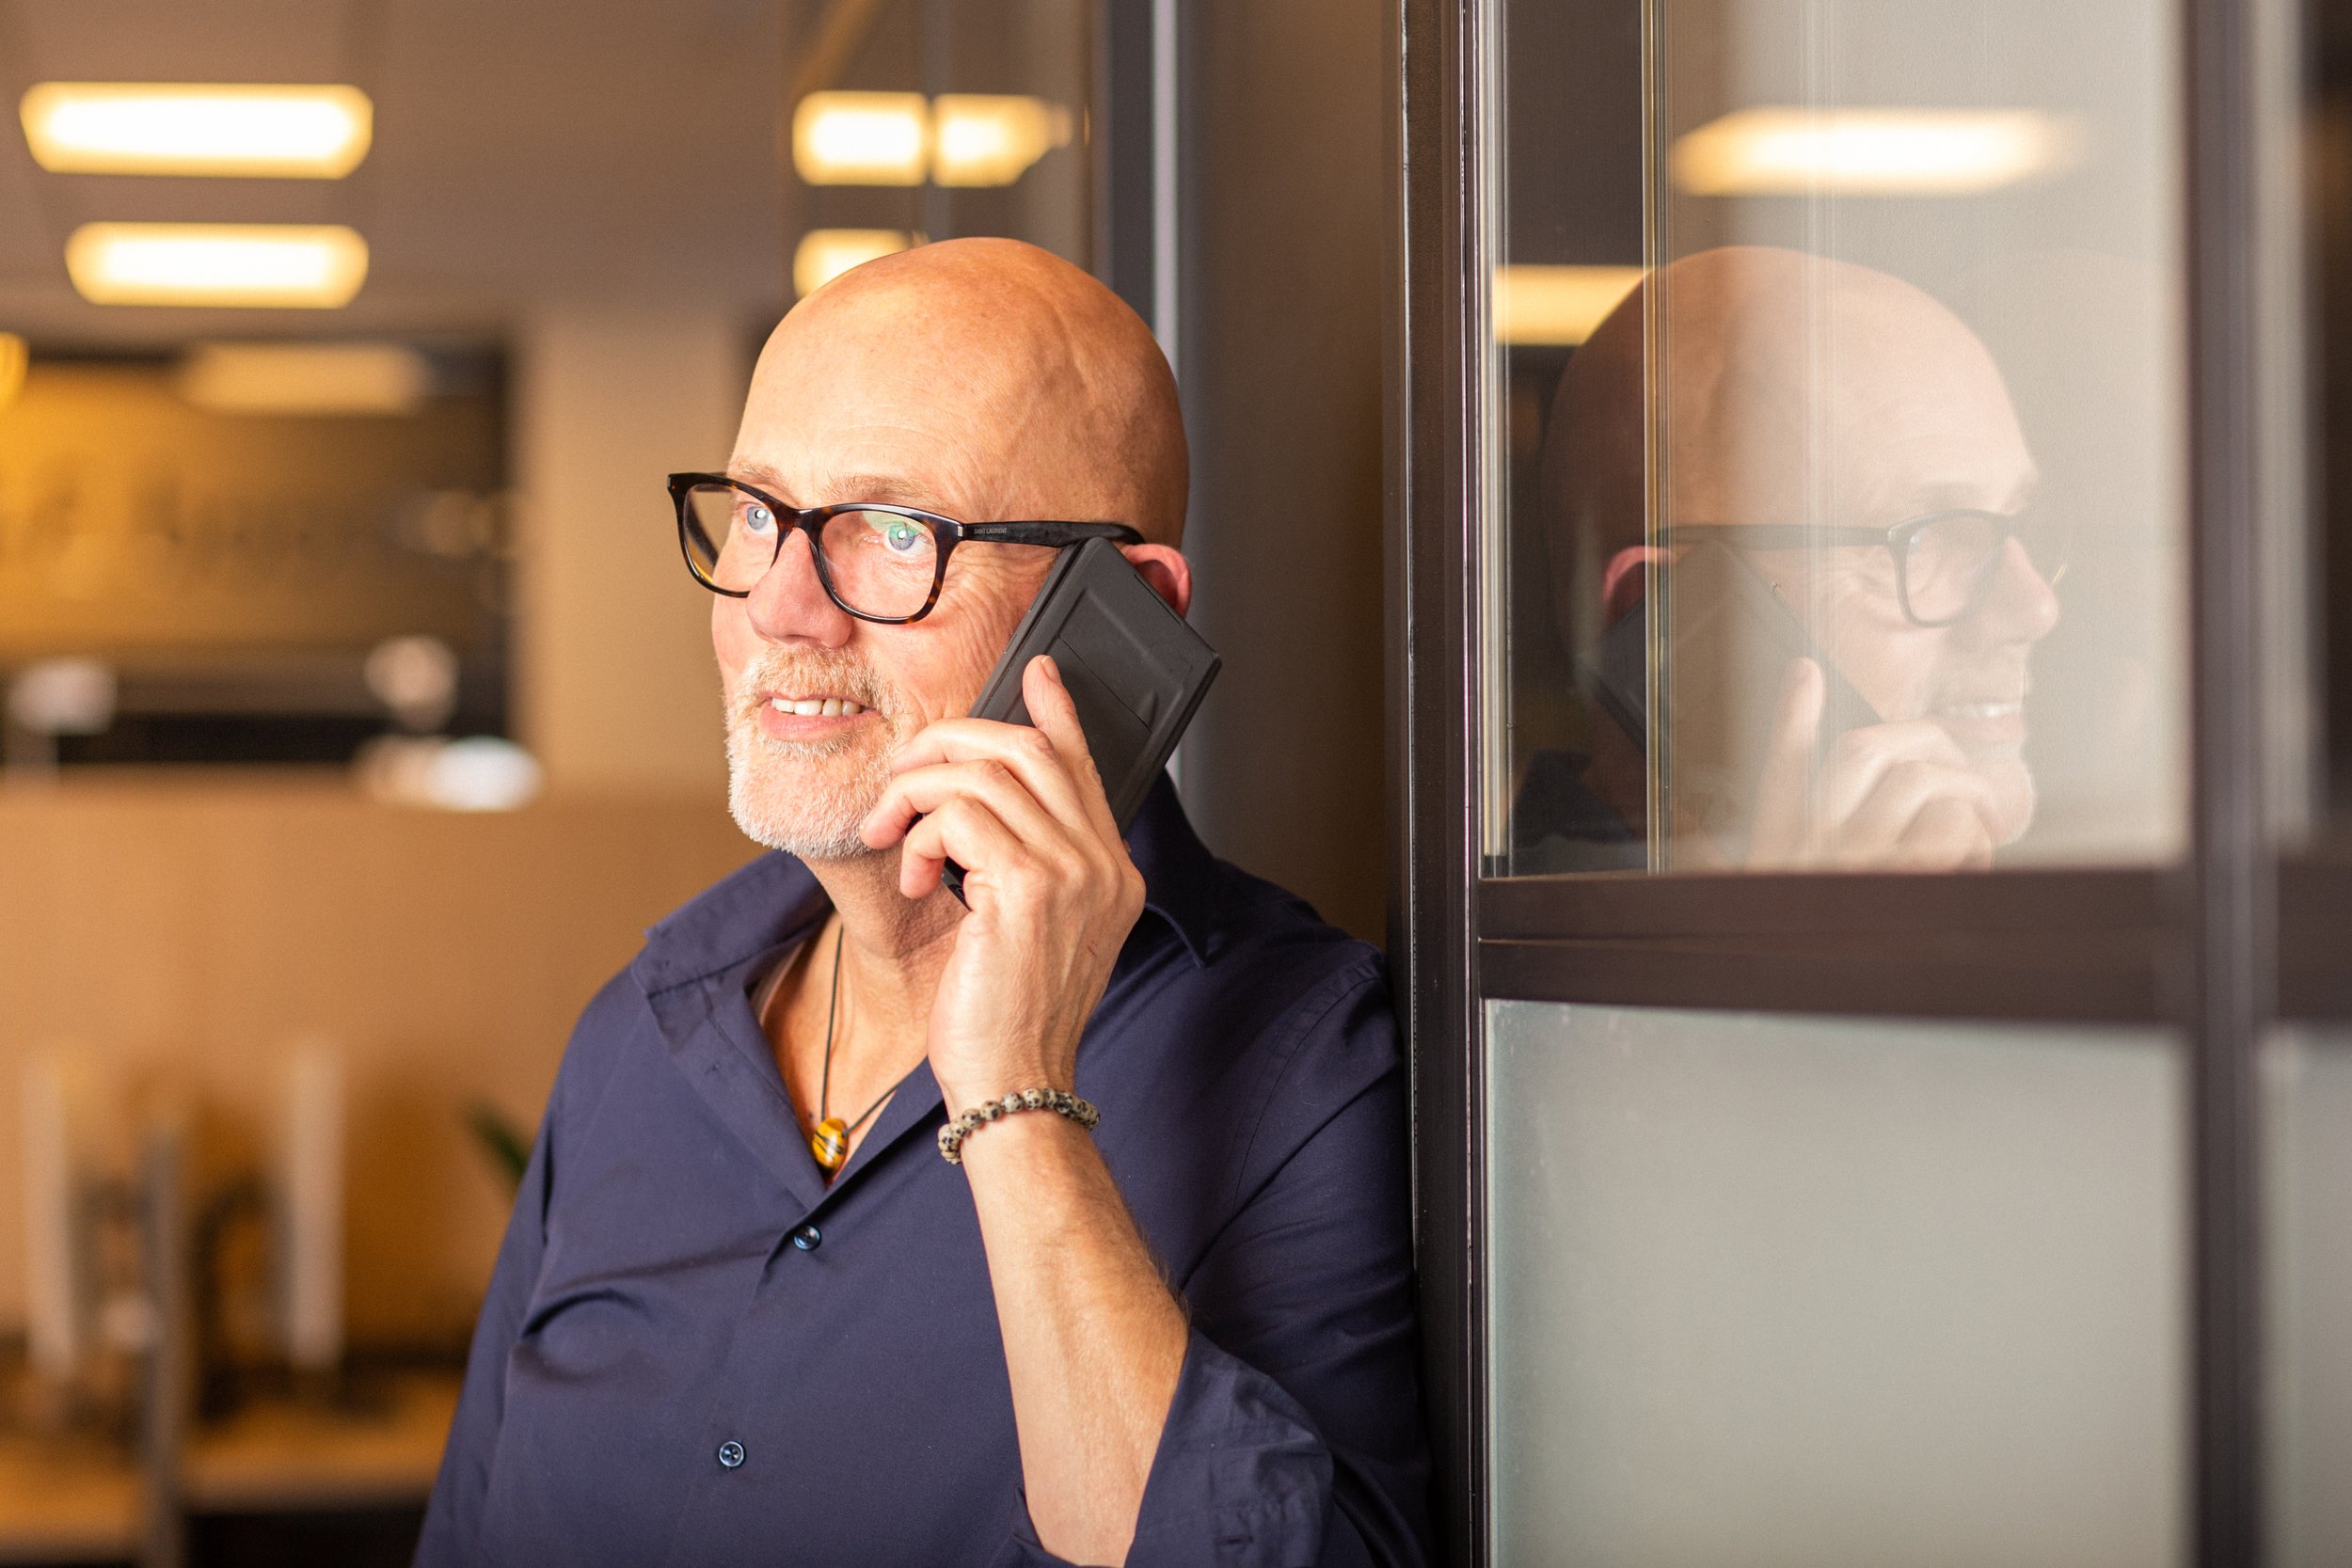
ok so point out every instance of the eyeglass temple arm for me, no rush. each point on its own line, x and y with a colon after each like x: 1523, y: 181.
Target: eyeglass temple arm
x: 1050, y: 533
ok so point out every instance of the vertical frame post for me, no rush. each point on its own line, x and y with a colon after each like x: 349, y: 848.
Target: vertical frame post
x: 2231, y: 982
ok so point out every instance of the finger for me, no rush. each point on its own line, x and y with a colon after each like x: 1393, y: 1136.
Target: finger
x: 1946, y: 835
x: 1023, y: 748
x: 911, y: 796
x: 1776, y: 829
x: 1860, y: 760
x: 1905, y: 791
x: 963, y: 831
x: 1056, y: 715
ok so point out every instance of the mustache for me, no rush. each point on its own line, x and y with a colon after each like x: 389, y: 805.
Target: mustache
x: 835, y: 674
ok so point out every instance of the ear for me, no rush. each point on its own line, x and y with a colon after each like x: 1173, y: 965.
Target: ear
x: 1166, y: 569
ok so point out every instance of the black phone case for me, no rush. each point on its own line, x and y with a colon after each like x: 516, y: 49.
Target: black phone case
x: 1134, y: 669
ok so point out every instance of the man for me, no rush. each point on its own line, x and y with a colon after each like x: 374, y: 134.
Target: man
x: 1185, y: 1336
x: 1844, y: 438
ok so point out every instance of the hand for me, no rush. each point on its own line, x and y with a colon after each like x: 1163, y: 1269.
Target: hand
x: 1051, y: 892
x: 1893, y: 797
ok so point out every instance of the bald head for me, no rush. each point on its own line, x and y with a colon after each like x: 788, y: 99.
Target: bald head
x: 1015, y: 384
x: 1794, y: 389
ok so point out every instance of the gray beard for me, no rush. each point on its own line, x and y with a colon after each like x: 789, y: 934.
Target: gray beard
x: 818, y: 822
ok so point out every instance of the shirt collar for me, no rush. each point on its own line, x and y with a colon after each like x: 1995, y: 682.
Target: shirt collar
x: 775, y: 900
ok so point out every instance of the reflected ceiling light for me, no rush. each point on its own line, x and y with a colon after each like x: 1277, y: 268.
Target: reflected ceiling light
x: 296, y: 133
x: 1799, y: 151
x: 305, y: 378
x: 825, y: 254
x: 861, y: 139
x: 14, y: 356
x: 1559, y: 306
x: 216, y: 264
x: 992, y: 139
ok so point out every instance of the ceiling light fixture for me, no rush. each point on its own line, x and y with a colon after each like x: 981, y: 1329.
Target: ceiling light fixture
x: 990, y: 138
x: 825, y: 254
x: 1536, y: 305
x: 292, y: 132
x: 260, y: 265
x: 1806, y: 152
x: 861, y: 139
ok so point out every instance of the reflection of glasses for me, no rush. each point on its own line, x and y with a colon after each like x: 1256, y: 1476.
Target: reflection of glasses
x: 1944, y: 562
x: 882, y: 564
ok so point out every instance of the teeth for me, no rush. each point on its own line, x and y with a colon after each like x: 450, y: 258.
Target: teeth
x: 811, y: 707
x: 1983, y: 710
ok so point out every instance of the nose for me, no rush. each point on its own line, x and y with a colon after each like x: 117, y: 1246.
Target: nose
x: 789, y: 604
x: 2021, y: 606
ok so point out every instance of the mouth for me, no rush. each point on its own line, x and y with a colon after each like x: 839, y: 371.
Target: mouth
x: 812, y: 707
x: 1983, y: 723
x: 803, y: 716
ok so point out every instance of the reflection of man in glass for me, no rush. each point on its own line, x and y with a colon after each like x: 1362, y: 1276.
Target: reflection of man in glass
x: 1846, y: 589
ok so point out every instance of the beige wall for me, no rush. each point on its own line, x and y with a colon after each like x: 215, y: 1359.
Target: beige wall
x: 615, y: 685
x: 186, y: 932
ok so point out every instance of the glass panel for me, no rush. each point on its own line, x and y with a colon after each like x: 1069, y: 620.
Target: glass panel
x: 2308, y: 1243
x: 1771, y: 1290
x: 1833, y: 446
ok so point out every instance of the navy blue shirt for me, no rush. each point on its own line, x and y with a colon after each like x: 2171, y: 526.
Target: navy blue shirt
x: 695, y: 1352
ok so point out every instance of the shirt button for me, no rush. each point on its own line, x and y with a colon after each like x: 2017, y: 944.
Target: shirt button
x: 807, y: 1237
x: 730, y: 1453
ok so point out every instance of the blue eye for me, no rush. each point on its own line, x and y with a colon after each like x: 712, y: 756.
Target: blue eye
x: 758, y: 518
x: 903, y: 537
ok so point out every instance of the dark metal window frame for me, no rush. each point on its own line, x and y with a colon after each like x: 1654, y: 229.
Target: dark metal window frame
x: 2217, y: 947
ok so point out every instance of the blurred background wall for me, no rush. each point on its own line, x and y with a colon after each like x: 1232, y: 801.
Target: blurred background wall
x: 1281, y: 358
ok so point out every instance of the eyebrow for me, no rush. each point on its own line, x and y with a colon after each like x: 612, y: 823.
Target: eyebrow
x: 882, y: 489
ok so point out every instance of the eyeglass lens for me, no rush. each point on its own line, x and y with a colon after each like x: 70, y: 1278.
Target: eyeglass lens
x: 876, y: 563
x: 1949, y: 561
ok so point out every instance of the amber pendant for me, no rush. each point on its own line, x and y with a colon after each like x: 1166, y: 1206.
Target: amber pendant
x: 830, y: 1143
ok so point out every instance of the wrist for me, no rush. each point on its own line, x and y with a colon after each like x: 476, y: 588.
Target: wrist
x: 965, y: 1093
x: 1027, y: 1107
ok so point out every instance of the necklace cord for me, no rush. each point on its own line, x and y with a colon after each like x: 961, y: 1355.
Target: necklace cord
x: 824, y: 1082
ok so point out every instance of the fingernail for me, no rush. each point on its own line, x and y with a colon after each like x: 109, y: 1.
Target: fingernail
x: 1051, y: 668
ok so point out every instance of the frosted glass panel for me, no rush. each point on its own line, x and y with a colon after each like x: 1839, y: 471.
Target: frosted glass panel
x: 2309, y: 1243
x: 1771, y: 1290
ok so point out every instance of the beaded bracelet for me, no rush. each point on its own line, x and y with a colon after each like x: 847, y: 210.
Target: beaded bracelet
x: 1059, y: 1101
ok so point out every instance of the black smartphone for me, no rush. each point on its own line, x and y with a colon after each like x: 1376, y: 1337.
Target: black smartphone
x: 1134, y: 669
x: 1729, y: 643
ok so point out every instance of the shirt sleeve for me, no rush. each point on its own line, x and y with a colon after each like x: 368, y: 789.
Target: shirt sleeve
x: 453, y: 1520
x: 1295, y: 1439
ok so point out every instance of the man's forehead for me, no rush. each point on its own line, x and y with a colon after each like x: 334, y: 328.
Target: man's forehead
x: 819, y: 484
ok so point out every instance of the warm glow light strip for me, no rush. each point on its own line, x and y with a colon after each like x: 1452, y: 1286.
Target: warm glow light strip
x: 216, y: 264
x: 990, y: 138
x: 14, y: 357
x: 825, y: 254
x: 1556, y: 305
x: 861, y: 139
x: 294, y: 132
x: 1802, y: 151
x: 305, y: 378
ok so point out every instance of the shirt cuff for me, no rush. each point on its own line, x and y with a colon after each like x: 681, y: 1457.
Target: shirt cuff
x: 1241, y: 1479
